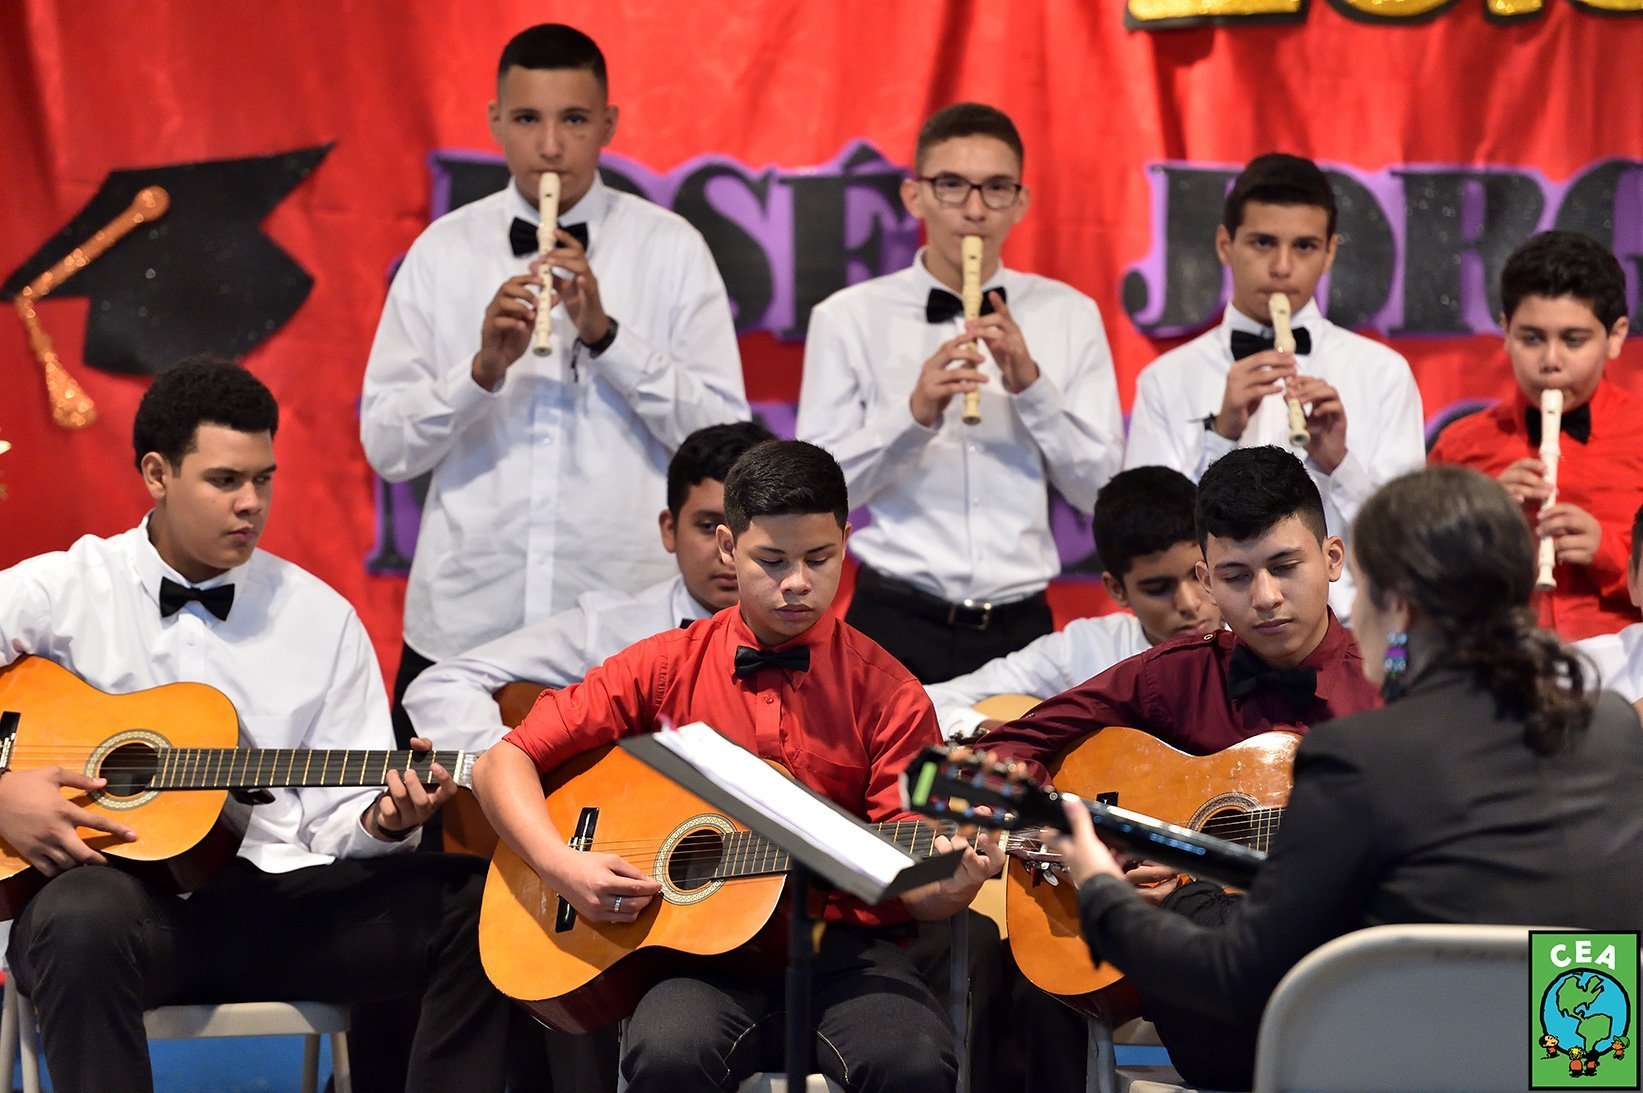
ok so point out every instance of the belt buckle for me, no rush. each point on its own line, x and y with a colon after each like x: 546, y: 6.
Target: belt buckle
x: 971, y: 614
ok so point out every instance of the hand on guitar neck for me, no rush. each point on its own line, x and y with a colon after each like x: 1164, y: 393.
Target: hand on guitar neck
x: 39, y: 822
x: 407, y: 804
x: 984, y: 857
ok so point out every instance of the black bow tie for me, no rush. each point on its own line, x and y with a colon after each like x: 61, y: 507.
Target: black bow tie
x: 1246, y: 671
x: 174, y: 597
x: 1577, y: 423
x: 522, y: 235
x: 943, y: 306
x: 750, y: 660
x: 1245, y: 344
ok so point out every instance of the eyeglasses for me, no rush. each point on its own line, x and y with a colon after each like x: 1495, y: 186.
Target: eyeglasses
x: 954, y: 190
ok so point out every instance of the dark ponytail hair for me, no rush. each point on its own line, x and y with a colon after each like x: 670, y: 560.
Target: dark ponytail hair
x: 1455, y: 545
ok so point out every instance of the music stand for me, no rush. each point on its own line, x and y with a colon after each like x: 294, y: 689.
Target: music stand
x: 808, y: 861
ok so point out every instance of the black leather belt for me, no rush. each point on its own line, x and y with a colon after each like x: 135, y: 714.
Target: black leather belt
x: 969, y: 614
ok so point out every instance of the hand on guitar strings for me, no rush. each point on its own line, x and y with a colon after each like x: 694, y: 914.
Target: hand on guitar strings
x: 407, y: 803
x: 603, y: 887
x: 39, y: 822
x: 1085, y: 856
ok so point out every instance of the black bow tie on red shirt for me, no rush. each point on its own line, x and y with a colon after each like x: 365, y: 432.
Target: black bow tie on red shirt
x: 750, y: 660
x: 1577, y: 423
x: 1245, y: 344
x: 174, y: 597
x: 522, y: 235
x: 1246, y: 671
x: 943, y: 306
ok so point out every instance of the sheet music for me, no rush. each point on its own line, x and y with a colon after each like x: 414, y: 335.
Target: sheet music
x: 782, y: 801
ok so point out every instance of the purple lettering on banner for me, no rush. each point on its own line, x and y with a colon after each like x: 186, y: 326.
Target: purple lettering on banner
x: 1422, y: 245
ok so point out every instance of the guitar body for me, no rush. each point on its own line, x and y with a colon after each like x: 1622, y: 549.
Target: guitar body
x: 595, y: 973
x: 63, y: 721
x: 1150, y: 777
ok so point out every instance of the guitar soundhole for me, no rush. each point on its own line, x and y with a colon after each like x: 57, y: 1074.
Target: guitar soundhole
x: 695, y: 861
x: 129, y: 769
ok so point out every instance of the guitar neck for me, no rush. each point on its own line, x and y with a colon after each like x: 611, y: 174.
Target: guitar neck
x: 272, y: 768
x: 749, y: 855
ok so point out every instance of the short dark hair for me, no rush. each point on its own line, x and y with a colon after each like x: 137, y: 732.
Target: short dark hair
x: 1560, y: 263
x: 967, y: 119
x: 1142, y: 511
x: 199, y: 391
x: 1278, y: 179
x: 1248, y: 491
x: 709, y: 453
x: 784, y: 478
x: 552, y: 46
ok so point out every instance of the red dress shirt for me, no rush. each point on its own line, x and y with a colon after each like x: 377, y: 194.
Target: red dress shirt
x: 1177, y: 691
x: 1604, y: 476
x: 846, y: 727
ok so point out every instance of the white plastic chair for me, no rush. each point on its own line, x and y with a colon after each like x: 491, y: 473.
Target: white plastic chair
x: 310, y: 1020
x: 1363, y: 1012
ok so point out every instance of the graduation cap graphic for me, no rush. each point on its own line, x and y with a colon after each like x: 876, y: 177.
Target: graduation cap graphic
x: 194, y: 275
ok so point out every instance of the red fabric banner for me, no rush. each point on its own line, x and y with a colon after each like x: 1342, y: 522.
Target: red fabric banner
x: 1514, y: 122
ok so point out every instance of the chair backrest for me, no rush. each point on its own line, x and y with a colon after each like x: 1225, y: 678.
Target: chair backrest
x: 1415, y: 1007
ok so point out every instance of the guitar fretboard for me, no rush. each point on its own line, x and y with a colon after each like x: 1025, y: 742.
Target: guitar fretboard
x: 268, y: 768
x: 748, y: 855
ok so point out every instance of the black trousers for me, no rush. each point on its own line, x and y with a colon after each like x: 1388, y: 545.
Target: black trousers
x: 97, y: 946
x: 878, y: 1029
x: 935, y: 651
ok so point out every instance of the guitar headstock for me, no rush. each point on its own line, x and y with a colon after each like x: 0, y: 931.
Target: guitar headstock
x: 967, y: 786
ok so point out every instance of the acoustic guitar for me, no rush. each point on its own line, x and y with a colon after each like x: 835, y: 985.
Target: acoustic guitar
x: 170, y: 759
x: 721, y: 890
x: 1237, y: 795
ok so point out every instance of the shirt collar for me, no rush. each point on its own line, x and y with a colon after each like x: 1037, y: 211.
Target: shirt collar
x: 817, y: 637
x: 590, y: 210
x: 151, y: 569
x: 925, y: 280
x: 1233, y: 319
x: 682, y: 605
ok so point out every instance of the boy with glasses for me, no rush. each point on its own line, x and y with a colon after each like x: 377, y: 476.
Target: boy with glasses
x: 959, y: 550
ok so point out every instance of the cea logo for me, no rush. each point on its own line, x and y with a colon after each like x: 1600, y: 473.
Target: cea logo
x: 1582, y: 999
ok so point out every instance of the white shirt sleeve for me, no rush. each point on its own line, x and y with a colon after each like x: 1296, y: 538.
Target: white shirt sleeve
x: 415, y: 405
x: 354, y: 715
x: 1048, y: 666
x: 874, y: 445
x: 694, y: 378
x: 1079, y: 430
x: 453, y: 702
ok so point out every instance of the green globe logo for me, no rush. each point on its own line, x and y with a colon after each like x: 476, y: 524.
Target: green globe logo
x: 1585, y: 1015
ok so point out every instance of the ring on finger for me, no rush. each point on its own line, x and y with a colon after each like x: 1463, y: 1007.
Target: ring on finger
x: 616, y: 905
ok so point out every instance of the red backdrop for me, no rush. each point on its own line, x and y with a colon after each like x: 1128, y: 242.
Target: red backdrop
x: 781, y: 84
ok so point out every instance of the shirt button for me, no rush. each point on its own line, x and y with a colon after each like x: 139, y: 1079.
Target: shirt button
x: 770, y: 698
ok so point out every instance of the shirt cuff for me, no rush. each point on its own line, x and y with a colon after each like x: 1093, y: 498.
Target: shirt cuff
x: 1350, y: 483
x: 1040, y: 404
x: 1215, y: 446
x: 460, y: 391
x: 628, y: 364
x: 962, y: 722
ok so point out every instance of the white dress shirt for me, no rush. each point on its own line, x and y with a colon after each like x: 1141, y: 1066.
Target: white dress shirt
x: 961, y: 511
x: 1050, y: 665
x: 292, y: 657
x: 549, y: 486
x: 1619, y: 660
x: 1384, y: 419
x: 455, y: 698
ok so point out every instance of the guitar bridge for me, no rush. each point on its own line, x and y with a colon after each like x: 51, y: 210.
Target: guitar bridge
x: 582, y: 839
